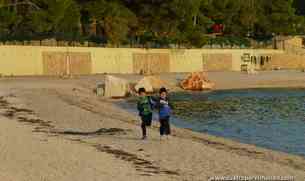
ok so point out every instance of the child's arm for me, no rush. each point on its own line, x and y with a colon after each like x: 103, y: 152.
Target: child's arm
x: 139, y: 107
x: 159, y: 105
x: 170, y: 104
x: 153, y: 101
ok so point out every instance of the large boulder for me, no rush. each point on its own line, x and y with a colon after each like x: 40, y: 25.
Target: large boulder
x: 197, y: 81
x: 115, y: 87
x: 150, y: 83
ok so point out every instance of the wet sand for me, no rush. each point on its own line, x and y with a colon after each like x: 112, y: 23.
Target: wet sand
x: 54, y: 129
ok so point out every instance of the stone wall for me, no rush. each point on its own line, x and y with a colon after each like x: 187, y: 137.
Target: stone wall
x: 151, y: 63
x: 295, y: 41
x: 217, y: 62
x: 37, y: 60
x: 285, y: 61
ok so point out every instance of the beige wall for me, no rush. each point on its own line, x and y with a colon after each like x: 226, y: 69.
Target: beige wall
x: 285, y: 61
x: 185, y: 60
x: 218, y: 62
x: 111, y: 60
x: 20, y: 61
x: 295, y: 41
x: 27, y: 60
x: 236, y: 56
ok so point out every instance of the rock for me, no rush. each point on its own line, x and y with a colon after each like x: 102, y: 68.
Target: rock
x: 144, y: 83
x: 49, y: 42
x: 197, y: 81
x: 115, y: 87
x: 252, y: 71
x: 100, y: 89
x: 150, y: 83
x: 66, y: 76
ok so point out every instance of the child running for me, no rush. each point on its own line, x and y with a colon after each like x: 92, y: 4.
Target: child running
x: 144, y: 106
x: 164, y: 106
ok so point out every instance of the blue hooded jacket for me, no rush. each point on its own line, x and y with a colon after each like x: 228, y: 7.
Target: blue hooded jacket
x: 165, y: 108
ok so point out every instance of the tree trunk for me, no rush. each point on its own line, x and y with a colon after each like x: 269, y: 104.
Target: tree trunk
x: 195, y: 20
x: 15, y: 6
x: 93, y: 27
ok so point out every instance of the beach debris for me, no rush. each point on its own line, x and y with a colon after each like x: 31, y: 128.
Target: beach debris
x: 100, y: 89
x: 66, y: 76
x: 102, y: 131
x: 150, y: 83
x: 147, y: 167
x: 197, y: 81
x: 252, y: 71
x: 115, y: 87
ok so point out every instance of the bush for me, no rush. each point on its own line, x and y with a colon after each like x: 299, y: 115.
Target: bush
x: 198, y: 39
x: 230, y: 40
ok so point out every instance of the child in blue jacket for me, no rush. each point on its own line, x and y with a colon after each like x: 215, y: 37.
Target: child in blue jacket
x: 165, y: 108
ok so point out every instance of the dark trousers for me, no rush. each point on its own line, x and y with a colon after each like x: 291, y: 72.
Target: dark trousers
x: 146, y: 121
x: 164, y: 126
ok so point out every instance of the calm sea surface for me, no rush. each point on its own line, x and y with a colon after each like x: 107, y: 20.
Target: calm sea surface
x: 270, y: 118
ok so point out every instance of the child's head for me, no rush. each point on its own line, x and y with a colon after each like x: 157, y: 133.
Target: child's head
x: 142, y: 91
x: 163, y: 93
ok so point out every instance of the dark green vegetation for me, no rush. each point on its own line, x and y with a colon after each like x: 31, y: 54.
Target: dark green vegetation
x: 158, y: 22
x: 300, y: 6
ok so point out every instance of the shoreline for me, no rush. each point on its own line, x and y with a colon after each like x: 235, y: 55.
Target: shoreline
x: 231, y: 145
x: 234, y: 146
x: 68, y: 109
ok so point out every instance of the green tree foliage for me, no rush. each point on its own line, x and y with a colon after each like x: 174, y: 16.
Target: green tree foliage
x: 8, y: 21
x: 192, y: 21
x: 58, y: 18
x: 148, y: 21
x: 278, y: 17
x: 115, y: 19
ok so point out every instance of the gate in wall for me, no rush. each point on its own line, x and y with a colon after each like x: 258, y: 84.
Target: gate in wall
x: 151, y: 63
x: 66, y: 63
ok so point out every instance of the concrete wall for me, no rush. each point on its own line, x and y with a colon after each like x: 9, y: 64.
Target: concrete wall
x: 185, y: 60
x: 28, y: 60
x: 285, y: 61
x: 218, y: 62
x: 295, y: 41
x: 20, y: 60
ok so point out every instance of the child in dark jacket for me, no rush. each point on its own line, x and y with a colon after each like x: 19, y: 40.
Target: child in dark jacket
x: 165, y: 108
x: 144, y: 106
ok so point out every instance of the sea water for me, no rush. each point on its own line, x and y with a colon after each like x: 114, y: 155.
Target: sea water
x: 270, y: 118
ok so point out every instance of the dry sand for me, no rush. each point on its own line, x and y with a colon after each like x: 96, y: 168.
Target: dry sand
x: 52, y: 129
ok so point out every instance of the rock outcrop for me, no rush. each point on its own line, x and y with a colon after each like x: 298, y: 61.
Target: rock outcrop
x: 115, y: 87
x: 197, y: 81
x: 150, y: 83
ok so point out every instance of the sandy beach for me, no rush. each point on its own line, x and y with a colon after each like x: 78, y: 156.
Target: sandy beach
x: 58, y: 129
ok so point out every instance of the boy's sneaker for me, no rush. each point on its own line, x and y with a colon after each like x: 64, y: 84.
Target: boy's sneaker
x: 162, y: 138
x: 168, y: 137
x: 144, y: 138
